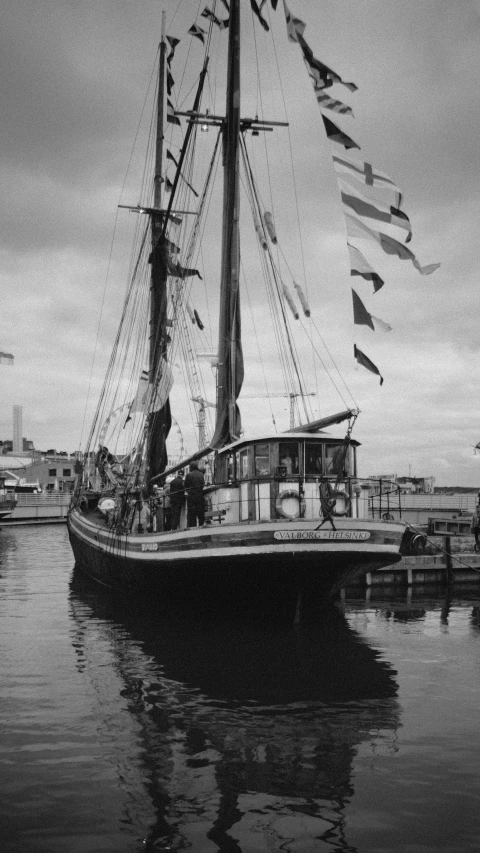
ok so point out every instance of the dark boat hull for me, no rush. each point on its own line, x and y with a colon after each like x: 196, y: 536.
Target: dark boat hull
x: 239, y: 566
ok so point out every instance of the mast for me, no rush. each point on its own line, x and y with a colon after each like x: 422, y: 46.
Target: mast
x: 159, y: 421
x: 157, y: 197
x: 230, y: 363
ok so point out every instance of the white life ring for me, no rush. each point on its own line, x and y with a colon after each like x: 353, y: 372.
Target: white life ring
x: 342, y: 495
x: 106, y: 505
x: 289, y: 504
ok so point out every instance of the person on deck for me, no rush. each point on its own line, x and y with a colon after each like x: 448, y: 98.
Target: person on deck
x: 194, y: 483
x: 476, y: 524
x: 177, y: 495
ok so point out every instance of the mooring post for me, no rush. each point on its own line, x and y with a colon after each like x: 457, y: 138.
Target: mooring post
x: 448, y: 560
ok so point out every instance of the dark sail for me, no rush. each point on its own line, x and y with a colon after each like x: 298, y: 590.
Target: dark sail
x: 159, y: 422
x: 230, y: 363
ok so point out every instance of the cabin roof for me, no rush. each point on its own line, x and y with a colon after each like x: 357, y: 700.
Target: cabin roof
x: 286, y: 436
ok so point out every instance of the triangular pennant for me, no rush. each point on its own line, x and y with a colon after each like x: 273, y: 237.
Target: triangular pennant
x: 197, y: 32
x: 336, y: 135
x: 365, y: 362
x: 256, y: 11
x: 173, y: 42
x: 361, y: 316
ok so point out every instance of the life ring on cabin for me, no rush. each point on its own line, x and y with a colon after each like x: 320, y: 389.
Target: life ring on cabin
x: 289, y: 504
x: 329, y: 498
x: 343, y: 496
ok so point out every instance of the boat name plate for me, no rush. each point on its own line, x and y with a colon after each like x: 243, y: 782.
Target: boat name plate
x: 150, y: 546
x: 357, y: 535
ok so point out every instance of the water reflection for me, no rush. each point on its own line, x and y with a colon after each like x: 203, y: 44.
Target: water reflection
x: 245, y: 734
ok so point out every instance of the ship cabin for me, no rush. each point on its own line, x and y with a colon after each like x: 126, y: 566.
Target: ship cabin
x: 279, y: 477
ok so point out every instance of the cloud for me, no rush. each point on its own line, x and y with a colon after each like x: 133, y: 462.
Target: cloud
x: 74, y: 77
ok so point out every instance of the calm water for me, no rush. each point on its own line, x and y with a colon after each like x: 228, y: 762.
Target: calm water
x: 123, y: 731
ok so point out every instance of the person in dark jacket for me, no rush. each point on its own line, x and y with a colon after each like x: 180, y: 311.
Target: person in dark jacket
x: 177, y: 495
x: 194, y: 483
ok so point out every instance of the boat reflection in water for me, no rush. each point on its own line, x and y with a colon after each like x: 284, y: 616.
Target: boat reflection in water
x: 245, y: 734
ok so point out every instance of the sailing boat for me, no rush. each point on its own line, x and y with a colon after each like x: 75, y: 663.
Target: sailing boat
x: 286, y: 512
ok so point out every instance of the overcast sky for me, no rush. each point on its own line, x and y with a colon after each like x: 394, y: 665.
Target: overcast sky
x: 74, y: 74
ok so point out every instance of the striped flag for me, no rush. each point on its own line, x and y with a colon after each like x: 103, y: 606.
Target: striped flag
x: 356, y: 228
x: 322, y: 74
x: 6, y: 358
x: 360, y: 266
x: 325, y: 102
x: 363, y: 206
x: 295, y: 26
x: 366, y: 174
x: 365, y: 362
x: 221, y: 23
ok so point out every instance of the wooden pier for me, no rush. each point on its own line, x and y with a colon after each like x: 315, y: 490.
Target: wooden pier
x: 447, y: 568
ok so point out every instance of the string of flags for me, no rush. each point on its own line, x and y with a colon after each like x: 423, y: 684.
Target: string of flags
x: 379, y: 200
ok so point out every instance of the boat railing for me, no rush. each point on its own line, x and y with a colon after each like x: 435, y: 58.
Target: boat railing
x: 43, y: 498
x: 365, y: 498
x: 386, y: 499
x: 383, y: 498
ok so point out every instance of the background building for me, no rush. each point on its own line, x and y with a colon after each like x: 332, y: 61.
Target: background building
x: 17, y: 430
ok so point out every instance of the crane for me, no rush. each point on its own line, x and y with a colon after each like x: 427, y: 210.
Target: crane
x: 291, y: 395
x: 202, y: 405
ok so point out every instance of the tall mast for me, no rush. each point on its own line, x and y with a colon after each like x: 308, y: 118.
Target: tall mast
x: 156, y: 222
x: 159, y: 421
x: 230, y: 367
x: 157, y: 197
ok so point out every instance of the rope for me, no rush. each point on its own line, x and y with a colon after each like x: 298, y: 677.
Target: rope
x: 439, y: 548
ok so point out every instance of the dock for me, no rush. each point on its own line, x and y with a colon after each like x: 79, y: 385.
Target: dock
x: 46, y: 508
x: 456, y: 563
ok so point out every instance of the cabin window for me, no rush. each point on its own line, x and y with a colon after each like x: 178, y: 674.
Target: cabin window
x: 313, y: 459
x: 220, y: 469
x: 288, y: 457
x: 335, y: 459
x: 262, y: 460
x: 243, y: 465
